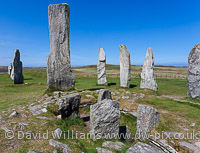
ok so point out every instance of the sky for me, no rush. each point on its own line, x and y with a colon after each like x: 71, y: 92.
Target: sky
x: 170, y: 27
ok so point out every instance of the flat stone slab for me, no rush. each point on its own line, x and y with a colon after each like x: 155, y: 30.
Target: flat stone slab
x: 113, y: 145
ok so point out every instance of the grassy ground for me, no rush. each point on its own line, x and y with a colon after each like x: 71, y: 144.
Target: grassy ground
x: 175, y: 116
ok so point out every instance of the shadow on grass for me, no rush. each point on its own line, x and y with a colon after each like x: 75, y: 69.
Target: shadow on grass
x: 111, y: 84
x: 93, y: 89
x: 133, y: 86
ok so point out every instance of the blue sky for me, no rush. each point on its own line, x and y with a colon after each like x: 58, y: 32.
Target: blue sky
x: 170, y: 27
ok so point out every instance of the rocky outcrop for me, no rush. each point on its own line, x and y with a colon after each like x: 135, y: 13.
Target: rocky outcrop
x: 125, y: 67
x: 148, y: 79
x: 147, y: 118
x: 104, y: 94
x: 143, y: 148
x: 194, y: 72
x: 69, y: 106
x: 17, y: 69
x: 104, y: 119
x: 59, y: 72
x: 101, y: 67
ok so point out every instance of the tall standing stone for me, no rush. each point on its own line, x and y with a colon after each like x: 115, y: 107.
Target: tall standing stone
x: 125, y: 67
x: 194, y: 72
x: 148, y: 79
x: 59, y: 72
x: 101, y: 67
x: 17, y: 69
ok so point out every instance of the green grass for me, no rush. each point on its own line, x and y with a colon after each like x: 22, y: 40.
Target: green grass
x: 179, y: 116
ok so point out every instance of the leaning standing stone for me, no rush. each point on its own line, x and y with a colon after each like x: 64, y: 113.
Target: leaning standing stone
x: 101, y: 67
x: 104, y: 119
x: 69, y: 106
x: 147, y: 118
x: 125, y: 67
x: 59, y: 72
x: 148, y: 79
x: 16, y: 73
x: 194, y: 72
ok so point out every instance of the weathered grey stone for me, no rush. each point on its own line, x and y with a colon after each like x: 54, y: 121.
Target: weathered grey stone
x: 189, y: 146
x: 102, y: 150
x: 69, y: 106
x: 125, y: 67
x: 143, y: 148
x: 13, y: 114
x: 17, y: 69
x: 37, y: 109
x: 104, y: 119
x: 10, y: 69
x: 147, y: 118
x: 194, y: 72
x: 59, y: 72
x: 63, y: 147
x: 104, y: 94
x: 148, y: 79
x: 113, y: 145
x: 58, y: 133
x: 101, y: 67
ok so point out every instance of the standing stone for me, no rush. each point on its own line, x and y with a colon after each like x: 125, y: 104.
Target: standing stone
x: 16, y: 72
x: 59, y: 72
x: 125, y: 67
x: 69, y: 106
x: 104, y: 94
x: 101, y: 67
x: 148, y: 79
x: 194, y: 72
x: 10, y: 69
x: 104, y: 119
x: 147, y: 118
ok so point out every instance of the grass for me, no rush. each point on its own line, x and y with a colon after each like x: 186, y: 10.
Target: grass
x: 178, y: 118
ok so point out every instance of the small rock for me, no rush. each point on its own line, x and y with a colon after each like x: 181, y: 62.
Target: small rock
x: 168, y: 147
x: 128, y: 93
x: 192, y: 124
x: 63, y: 147
x: 15, y: 113
x: 143, y: 148
x: 112, y: 145
x: 33, y: 151
x: 189, y: 146
x: 89, y: 96
x: 102, y: 150
x: 58, y: 133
